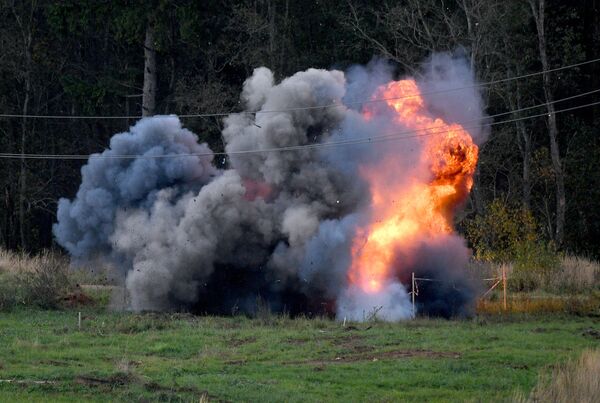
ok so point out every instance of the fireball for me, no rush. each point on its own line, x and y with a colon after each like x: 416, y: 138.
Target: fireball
x: 419, y: 208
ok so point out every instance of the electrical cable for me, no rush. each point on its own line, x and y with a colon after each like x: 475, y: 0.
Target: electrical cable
x: 372, y: 139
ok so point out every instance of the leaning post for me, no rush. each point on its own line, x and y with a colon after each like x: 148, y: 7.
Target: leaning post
x: 504, y: 285
x: 413, y: 295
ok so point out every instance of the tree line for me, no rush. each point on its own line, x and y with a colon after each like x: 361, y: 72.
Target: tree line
x: 115, y: 58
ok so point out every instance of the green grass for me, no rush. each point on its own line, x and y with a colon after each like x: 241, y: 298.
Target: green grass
x: 172, y: 357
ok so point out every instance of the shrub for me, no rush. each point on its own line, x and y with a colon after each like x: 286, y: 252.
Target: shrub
x: 9, y: 295
x: 511, y: 235
x: 564, y: 274
x: 575, y: 274
x: 47, y: 282
x: 41, y: 280
x: 577, y: 381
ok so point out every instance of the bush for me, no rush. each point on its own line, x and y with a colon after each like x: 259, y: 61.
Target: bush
x: 563, y: 274
x: 9, y: 295
x: 41, y: 280
x: 511, y: 235
x: 577, y: 381
x: 574, y: 274
x: 47, y: 283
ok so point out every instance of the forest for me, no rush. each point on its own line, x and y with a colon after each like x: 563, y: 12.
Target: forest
x: 73, y: 73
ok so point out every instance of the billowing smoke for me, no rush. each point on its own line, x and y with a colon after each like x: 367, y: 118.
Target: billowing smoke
x: 277, y: 227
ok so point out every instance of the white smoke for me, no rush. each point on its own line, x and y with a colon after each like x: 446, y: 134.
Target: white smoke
x: 391, y: 304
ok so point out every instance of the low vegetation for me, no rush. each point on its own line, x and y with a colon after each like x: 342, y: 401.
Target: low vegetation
x: 44, y: 281
x: 575, y: 381
x: 571, y: 286
x: 180, y: 357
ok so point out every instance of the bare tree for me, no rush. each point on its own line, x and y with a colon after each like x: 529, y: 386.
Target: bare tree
x: 25, y: 22
x: 414, y: 29
x: 150, y: 86
x: 538, y: 13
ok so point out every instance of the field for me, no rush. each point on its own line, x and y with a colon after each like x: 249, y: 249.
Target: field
x: 180, y: 357
x: 122, y: 356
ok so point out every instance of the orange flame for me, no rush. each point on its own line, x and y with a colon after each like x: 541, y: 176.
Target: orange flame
x: 420, y: 206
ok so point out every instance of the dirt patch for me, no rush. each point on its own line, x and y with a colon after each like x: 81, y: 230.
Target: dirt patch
x: 240, y: 341
x: 109, y: 381
x: 124, y: 379
x: 380, y: 355
x: 76, y: 299
x: 156, y: 387
x: 593, y: 333
x: 297, y: 342
x: 347, y: 339
x: 354, y: 343
x: 56, y: 363
x: 361, y: 348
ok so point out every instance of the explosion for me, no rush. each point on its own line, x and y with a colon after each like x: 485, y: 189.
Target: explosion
x: 289, y: 224
x: 402, y: 215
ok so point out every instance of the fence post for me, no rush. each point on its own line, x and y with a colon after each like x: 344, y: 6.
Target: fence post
x: 413, y: 295
x: 504, y: 285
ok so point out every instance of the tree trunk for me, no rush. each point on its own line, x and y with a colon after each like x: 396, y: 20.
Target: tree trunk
x: 23, y: 167
x: 537, y: 8
x: 23, y: 171
x: 526, y: 153
x: 514, y: 101
x: 591, y: 29
x: 149, y: 97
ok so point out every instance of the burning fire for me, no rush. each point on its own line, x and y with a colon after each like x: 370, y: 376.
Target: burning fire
x: 422, y: 208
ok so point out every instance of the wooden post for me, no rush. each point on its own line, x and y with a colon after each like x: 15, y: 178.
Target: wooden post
x: 504, y: 285
x: 413, y: 295
x: 79, y: 320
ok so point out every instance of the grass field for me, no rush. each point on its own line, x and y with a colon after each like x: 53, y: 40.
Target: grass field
x: 122, y: 356
x: 179, y: 357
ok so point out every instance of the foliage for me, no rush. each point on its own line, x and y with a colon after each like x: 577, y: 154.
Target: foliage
x: 41, y: 281
x: 9, y: 295
x: 47, y: 283
x: 87, y: 58
x: 541, y: 304
x: 504, y: 234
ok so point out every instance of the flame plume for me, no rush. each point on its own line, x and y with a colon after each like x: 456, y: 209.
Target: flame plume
x: 406, y: 213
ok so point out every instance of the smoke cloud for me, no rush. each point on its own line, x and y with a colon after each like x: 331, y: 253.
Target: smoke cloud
x: 274, y: 227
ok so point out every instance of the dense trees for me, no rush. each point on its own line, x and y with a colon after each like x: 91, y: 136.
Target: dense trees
x: 135, y: 57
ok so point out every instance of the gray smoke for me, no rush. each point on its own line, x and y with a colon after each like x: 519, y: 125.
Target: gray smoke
x: 110, y: 184
x: 275, y: 225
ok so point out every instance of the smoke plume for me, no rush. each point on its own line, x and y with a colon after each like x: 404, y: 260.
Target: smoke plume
x: 277, y: 227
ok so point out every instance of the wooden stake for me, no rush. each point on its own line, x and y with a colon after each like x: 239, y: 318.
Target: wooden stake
x: 504, y: 285
x: 79, y: 320
x: 413, y: 295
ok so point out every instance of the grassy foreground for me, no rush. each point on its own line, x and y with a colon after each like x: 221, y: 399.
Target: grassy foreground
x: 173, y: 357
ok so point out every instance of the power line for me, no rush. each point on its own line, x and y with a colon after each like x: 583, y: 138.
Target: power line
x: 300, y: 108
x: 372, y: 139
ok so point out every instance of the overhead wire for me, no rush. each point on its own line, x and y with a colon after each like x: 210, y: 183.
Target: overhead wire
x: 300, y: 108
x: 372, y: 139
